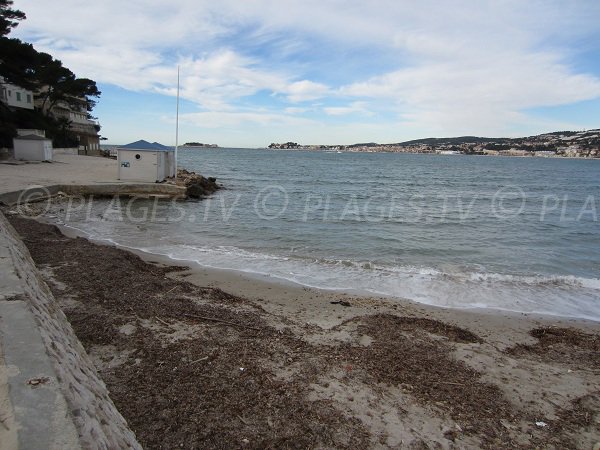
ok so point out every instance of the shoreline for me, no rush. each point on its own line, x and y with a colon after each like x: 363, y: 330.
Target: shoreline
x: 289, y: 297
x: 585, y: 158
x: 257, y: 285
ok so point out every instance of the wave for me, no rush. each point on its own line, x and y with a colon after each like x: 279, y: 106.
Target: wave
x: 452, y: 287
x: 538, y: 280
x: 565, y: 296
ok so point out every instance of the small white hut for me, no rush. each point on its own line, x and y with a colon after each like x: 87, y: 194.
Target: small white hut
x: 145, y: 161
x: 32, y: 147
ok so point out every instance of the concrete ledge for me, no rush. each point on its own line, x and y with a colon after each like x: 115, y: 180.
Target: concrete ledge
x: 40, y: 193
x: 40, y: 413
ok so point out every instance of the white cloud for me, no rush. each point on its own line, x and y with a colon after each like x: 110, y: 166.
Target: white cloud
x: 305, y: 90
x: 124, y: 66
x: 466, y: 65
x: 296, y: 110
x: 215, y: 81
x: 482, y: 92
x: 353, y: 108
x: 224, y: 119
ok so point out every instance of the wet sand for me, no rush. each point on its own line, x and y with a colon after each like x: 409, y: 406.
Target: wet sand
x: 218, y: 359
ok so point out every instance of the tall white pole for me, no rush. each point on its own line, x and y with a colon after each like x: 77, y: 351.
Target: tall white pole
x: 177, y: 125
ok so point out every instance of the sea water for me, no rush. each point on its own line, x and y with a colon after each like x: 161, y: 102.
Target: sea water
x: 516, y: 234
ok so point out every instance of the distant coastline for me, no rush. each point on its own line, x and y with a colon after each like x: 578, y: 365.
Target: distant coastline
x: 561, y: 144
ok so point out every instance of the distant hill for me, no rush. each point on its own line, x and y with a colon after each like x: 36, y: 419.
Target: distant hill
x: 368, y: 144
x: 454, y: 140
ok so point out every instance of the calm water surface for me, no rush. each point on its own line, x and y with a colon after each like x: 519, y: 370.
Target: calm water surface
x: 519, y: 234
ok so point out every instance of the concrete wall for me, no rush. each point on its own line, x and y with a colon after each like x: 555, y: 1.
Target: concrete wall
x: 71, y: 408
x: 138, y: 165
x: 170, y: 169
x: 40, y: 193
x: 33, y: 150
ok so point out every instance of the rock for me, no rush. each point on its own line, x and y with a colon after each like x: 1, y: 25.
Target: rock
x: 197, y: 186
x: 128, y: 329
x: 341, y: 302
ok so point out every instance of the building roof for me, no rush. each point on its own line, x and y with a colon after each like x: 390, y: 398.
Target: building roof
x: 32, y: 137
x: 146, y: 146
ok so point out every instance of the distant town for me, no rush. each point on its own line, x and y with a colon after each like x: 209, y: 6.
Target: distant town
x: 574, y: 144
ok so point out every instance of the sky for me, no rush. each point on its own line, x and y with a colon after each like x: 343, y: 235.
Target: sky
x: 330, y: 72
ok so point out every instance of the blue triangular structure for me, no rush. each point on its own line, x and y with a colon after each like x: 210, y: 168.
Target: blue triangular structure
x: 145, y: 145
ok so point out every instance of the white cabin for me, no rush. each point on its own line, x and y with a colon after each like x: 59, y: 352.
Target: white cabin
x: 146, y: 162
x: 32, y: 147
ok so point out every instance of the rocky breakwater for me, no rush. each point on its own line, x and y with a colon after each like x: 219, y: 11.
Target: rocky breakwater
x: 196, y: 185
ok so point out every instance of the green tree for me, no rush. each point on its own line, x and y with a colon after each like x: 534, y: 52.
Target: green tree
x: 52, y: 83
x: 24, y: 66
x: 9, y: 17
x: 19, y: 63
x: 76, y: 89
x: 66, y: 88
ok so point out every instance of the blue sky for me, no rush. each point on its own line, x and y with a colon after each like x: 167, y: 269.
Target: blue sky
x: 328, y: 71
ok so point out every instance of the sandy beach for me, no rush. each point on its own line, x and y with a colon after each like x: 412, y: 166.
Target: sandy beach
x: 201, y: 358
x: 195, y: 357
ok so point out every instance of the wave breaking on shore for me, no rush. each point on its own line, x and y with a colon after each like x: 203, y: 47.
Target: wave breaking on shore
x: 557, y: 295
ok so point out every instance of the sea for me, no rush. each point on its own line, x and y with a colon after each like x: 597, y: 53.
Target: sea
x: 499, y: 233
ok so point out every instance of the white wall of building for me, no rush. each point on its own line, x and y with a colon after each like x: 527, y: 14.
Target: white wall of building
x: 138, y: 165
x: 170, y: 168
x: 32, y: 150
x: 15, y: 96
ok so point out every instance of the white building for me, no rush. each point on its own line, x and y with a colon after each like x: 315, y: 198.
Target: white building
x: 80, y: 124
x: 145, y: 161
x: 15, y: 96
x: 32, y: 147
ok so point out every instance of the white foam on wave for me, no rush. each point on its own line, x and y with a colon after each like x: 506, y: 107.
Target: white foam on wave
x: 92, y: 236
x: 565, y: 296
x: 554, y: 280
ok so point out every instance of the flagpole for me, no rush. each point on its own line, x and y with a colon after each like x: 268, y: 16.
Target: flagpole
x: 177, y: 125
